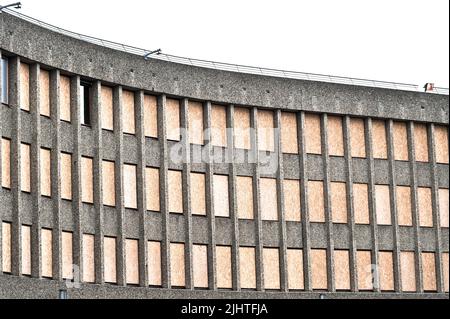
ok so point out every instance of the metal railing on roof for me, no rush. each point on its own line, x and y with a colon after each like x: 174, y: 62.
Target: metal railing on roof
x: 226, y: 66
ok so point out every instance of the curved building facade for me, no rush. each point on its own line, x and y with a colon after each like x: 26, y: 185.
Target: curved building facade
x: 126, y: 177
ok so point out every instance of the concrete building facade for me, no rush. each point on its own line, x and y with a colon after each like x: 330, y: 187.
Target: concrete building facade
x: 125, y: 177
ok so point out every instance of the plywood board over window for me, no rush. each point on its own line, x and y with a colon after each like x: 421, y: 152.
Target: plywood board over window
x: 24, y: 86
x: 364, y: 269
x: 66, y: 176
x: 196, y: 123
x: 247, y: 267
x: 200, y: 265
x: 223, y: 266
x: 361, y: 203
x: 379, y: 142
x: 429, y: 271
x: 342, y: 269
x: 445, y: 271
x: 443, y: 207
x: 339, y: 202
x: 26, y: 250
x: 150, y: 116
x: 129, y: 186
x: 295, y: 269
x: 173, y: 119
x: 219, y: 126
x: 107, y: 108
x: 46, y: 253
x: 335, y: 136
x: 386, y: 270
x: 175, y: 192
x: 268, y: 198
x: 88, y: 258
x: 408, y: 271
x: 400, y: 140
x: 152, y: 188
x: 110, y: 273
x: 271, y: 260
x: 404, y: 206
x: 266, y: 131
x: 154, y: 263
x: 46, y: 177
x: 64, y: 88
x: 221, y: 202
x: 425, y: 207
x: 421, y: 142
x: 67, y: 255
x: 242, y: 128
x: 132, y: 261
x: 177, y: 268
x: 6, y: 248
x: 383, y: 205
x: 128, y: 112
x: 316, y: 202
x: 289, y: 133
x: 6, y: 163
x: 44, y: 94
x: 292, y: 207
x: 357, y: 138
x: 319, y: 279
x: 441, y: 144
x: 312, y: 134
x: 25, y: 168
x: 87, y: 180
x: 109, y: 190
x: 198, y: 199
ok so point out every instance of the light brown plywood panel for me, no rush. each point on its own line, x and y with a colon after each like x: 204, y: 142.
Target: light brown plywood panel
x: 379, y: 142
x: 26, y: 250
x: 247, y: 267
x: 132, y: 261
x: 25, y: 167
x: 295, y: 269
x: 335, y: 136
x: 109, y: 189
x: 88, y: 258
x: 445, y: 270
x: 64, y: 88
x: 292, y: 207
x: 109, y: 262
x: 152, y: 188
x: 200, y: 265
x: 271, y: 260
x: 44, y: 94
x: 404, y: 212
x: 429, y: 271
x: 177, y: 270
x: 424, y: 205
x: 443, y: 207
x: 173, y: 119
x: 383, y: 205
x: 154, y: 263
x: 342, y: 269
x: 6, y: 163
x: 175, y: 192
x: 128, y: 117
x: 46, y: 253
x: 46, y: 177
x: 361, y: 204
x: 24, y: 86
x: 107, y: 108
x: 196, y: 123
x: 198, y: 199
x: 441, y: 144
x: 242, y: 128
x: 129, y: 186
x: 268, y: 198
x: 312, y: 134
x: 67, y: 255
x: 364, y: 269
x: 221, y: 202
x: 218, y: 126
x: 338, y: 202
x: 421, y: 142
x: 400, y: 140
x: 66, y: 176
x: 357, y: 138
x: 386, y: 270
x: 289, y: 137
x: 316, y: 202
x: 223, y: 267
x: 87, y: 180
x: 408, y: 271
x: 265, y: 131
x: 319, y: 269
x: 6, y: 247
x: 150, y: 116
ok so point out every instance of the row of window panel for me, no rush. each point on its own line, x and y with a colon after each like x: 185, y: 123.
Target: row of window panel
x: 266, y: 132
x: 247, y: 267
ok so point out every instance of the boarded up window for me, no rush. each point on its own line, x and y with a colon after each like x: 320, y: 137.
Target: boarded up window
x: 445, y: 270
x: 408, y: 271
x: 269, y: 200
x: 443, y: 207
x: 198, y: 201
x: 265, y: 131
x: 242, y: 128
x: 6, y: 248
x: 386, y: 270
x: 319, y: 269
x: 177, y: 269
x: 26, y: 250
x: 67, y: 255
x: 152, y: 188
x: 312, y: 134
x: 24, y: 86
x: 110, y: 260
x: 46, y: 179
x: 196, y: 123
x: 379, y: 142
x: 335, y: 136
x: 87, y: 181
x: 150, y: 116
x: 154, y: 263
x: 44, y: 94
x: 400, y: 140
x: 129, y: 186
x: 107, y: 108
x: 173, y: 119
x: 46, y: 253
x: 200, y: 265
x: 404, y: 206
x: 223, y: 267
x: 6, y: 163
x: 247, y: 267
x: 66, y: 176
x: 88, y: 258
x: 338, y: 202
x: 175, y: 192
x: 316, y: 202
x: 441, y: 144
x: 289, y: 137
x: 25, y: 168
x: 361, y: 204
x: 425, y: 208
x: 429, y: 271
x: 128, y: 118
x: 295, y: 269
x: 132, y: 261
x: 364, y: 269
x: 271, y: 260
x: 218, y: 126
x: 64, y: 87
x: 342, y: 269
x: 357, y: 138
x: 383, y: 205
x: 109, y: 190
x: 221, y: 203
x: 421, y: 142
x: 292, y: 207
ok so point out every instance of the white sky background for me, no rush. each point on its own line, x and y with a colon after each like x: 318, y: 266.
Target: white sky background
x: 392, y: 40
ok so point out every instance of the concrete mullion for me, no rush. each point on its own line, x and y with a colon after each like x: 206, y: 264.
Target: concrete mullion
x: 306, y: 232
x: 327, y: 199
x: 281, y: 206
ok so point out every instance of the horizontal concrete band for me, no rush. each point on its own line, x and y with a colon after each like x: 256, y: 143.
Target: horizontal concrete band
x: 77, y: 57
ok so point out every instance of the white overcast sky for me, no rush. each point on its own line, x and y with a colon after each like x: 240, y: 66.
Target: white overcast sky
x: 393, y: 40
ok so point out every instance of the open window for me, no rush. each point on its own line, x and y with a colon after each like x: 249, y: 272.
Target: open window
x: 85, y: 103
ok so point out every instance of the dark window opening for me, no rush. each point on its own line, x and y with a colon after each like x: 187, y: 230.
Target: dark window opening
x: 4, y: 81
x: 85, y: 103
